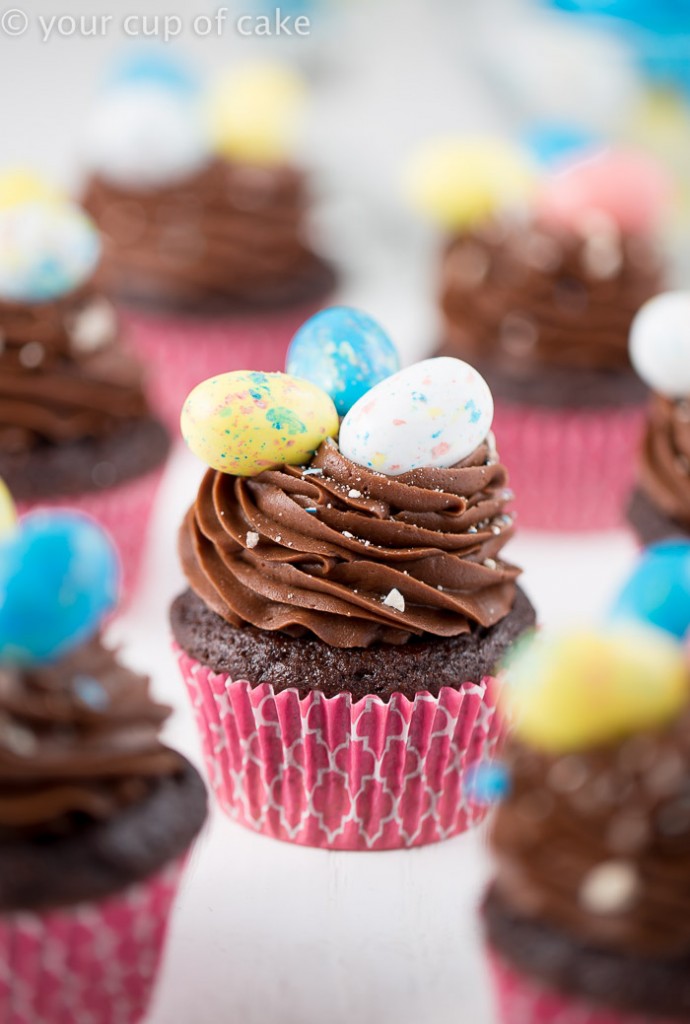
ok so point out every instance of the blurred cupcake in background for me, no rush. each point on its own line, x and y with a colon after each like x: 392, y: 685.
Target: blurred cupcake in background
x: 586, y: 919
x: 97, y: 815
x: 660, y: 351
x: 75, y: 425
x: 540, y: 279
x: 347, y: 601
x: 204, y: 217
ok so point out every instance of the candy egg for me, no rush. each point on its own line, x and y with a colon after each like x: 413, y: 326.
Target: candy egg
x: 658, y: 590
x: 553, y: 143
x: 433, y: 413
x: 344, y: 352
x: 660, y: 344
x: 46, y: 250
x: 253, y: 112
x: 58, y: 579
x: 462, y: 182
x: 244, y: 422
x: 580, y: 689
x: 8, y: 513
x: 144, y: 135
x: 153, y: 65
x: 19, y: 186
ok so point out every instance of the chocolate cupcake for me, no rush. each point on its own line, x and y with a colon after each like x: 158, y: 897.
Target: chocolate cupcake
x: 585, y: 919
x: 207, y: 248
x: 659, y: 506
x: 96, y: 814
x: 346, y: 608
x: 75, y: 425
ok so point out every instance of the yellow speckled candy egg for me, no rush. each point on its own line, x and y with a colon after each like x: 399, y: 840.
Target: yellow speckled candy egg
x: 18, y: 186
x: 244, y: 422
x: 8, y: 513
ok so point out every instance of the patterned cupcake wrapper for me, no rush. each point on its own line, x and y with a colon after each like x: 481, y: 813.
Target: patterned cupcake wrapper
x: 94, y: 963
x: 522, y: 1000
x: 179, y: 352
x: 570, y: 469
x: 124, y: 511
x: 344, y: 775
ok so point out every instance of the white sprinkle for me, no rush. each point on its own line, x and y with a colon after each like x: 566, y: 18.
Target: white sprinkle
x: 354, y: 494
x: 252, y: 539
x: 395, y: 600
x: 312, y: 471
x: 279, y: 538
x: 439, y: 587
x: 471, y: 529
x: 350, y: 536
x: 496, y: 529
x: 31, y: 355
x: 490, y: 563
x: 609, y: 888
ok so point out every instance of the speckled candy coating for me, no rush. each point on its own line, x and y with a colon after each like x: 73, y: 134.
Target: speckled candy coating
x: 433, y: 413
x: 244, y: 422
x: 344, y: 352
x: 660, y: 344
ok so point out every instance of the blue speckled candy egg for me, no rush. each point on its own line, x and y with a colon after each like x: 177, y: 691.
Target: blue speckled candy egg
x: 344, y: 352
x: 58, y: 578
x: 433, y: 413
x: 658, y: 589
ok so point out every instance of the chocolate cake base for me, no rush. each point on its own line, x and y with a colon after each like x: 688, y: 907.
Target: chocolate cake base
x: 91, y: 464
x: 622, y: 981
x: 307, y: 663
x: 650, y: 523
x: 89, y: 860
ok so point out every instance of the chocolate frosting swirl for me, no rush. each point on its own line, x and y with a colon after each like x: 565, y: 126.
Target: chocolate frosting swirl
x: 351, y: 556
x: 79, y: 737
x: 597, y: 843
x: 63, y: 375
x: 530, y: 296
x: 664, y: 469
x: 232, y: 234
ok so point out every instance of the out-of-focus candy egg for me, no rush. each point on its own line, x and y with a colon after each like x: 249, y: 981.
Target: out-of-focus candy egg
x: 344, y: 352
x: 244, y: 422
x: 8, y: 513
x: 433, y: 413
x: 660, y: 344
x: 18, y: 186
x: 658, y: 589
x: 487, y: 782
x: 46, y: 250
x: 58, y: 579
x: 580, y: 689
x: 254, y: 112
x: 144, y: 135
x: 552, y: 144
x: 461, y: 182
x: 144, y: 66
x: 630, y: 188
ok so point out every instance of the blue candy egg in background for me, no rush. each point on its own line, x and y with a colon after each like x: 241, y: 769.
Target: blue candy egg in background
x: 487, y: 782
x: 658, y: 590
x: 554, y: 144
x: 59, y: 576
x: 154, y: 66
x: 344, y: 352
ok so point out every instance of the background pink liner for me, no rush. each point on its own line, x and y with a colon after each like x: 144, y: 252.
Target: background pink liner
x: 124, y: 511
x: 570, y: 469
x: 94, y: 963
x: 522, y: 1000
x: 180, y: 351
x: 331, y: 773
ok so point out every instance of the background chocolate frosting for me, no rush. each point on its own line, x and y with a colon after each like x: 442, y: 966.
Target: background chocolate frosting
x: 232, y: 234
x: 664, y: 469
x: 63, y: 375
x: 531, y: 297
x: 597, y: 843
x: 318, y: 550
x: 79, y: 740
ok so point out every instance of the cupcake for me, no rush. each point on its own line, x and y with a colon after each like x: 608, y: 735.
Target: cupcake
x: 347, y: 601
x: 96, y: 814
x: 205, y: 220
x: 540, y: 280
x: 659, y: 507
x: 75, y: 425
x: 586, y: 917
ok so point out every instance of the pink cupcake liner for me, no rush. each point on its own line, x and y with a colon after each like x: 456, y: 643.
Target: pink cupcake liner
x: 338, y: 774
x: 570, y: 469
x: 522, y: 1000
x: 180, y: 351
x: 94, y: 963
x: 124, y: 511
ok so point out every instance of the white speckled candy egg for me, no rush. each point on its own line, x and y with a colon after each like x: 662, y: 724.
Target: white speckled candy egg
x: 244, y: 422
x: 145, y: 135
x: 660, y: 344
x: 47, y: 249
x: 433, y: 413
